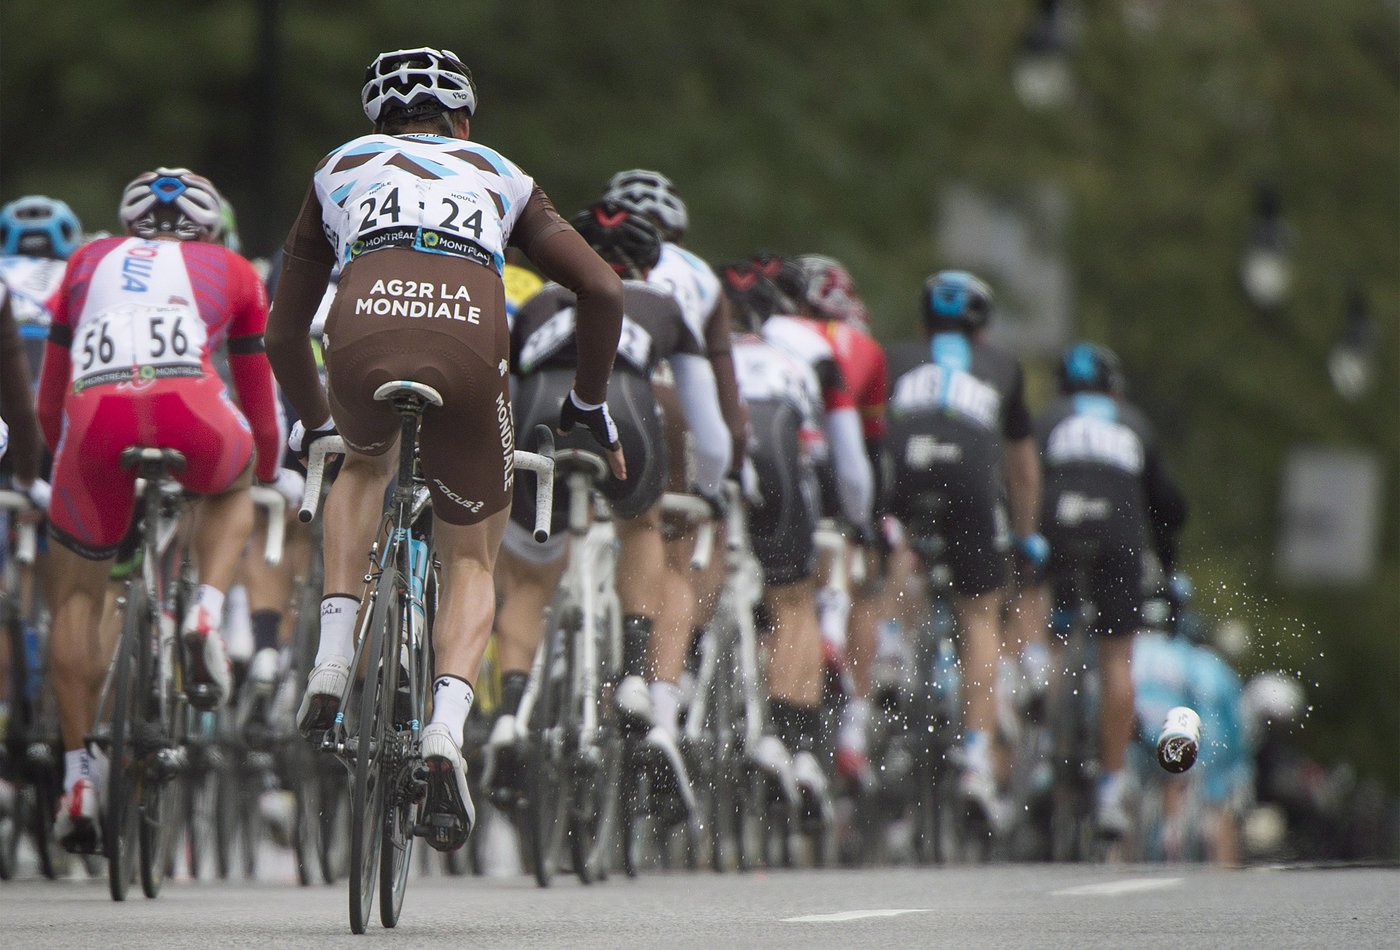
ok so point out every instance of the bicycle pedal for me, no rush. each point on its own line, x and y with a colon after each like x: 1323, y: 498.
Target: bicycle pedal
x: 203, y: 696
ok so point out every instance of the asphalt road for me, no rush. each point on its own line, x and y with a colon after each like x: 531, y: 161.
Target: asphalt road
x: 1006, y: 906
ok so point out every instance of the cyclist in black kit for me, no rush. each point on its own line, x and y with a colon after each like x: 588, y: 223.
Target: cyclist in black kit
x: 960, y: 449
x: 1105, y: 487
x: 544, y: 352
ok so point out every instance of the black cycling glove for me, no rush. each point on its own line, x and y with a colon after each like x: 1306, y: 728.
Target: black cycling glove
x: 595, y: 418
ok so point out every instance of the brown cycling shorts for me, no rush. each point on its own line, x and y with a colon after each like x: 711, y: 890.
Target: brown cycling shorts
x: 437, y: 320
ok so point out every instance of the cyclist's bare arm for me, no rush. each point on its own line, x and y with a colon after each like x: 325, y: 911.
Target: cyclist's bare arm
x: 307, y: 260
x: 252, y: 376
x: 1023, y: 486
x: 718, y: 347
x: 565, y: 258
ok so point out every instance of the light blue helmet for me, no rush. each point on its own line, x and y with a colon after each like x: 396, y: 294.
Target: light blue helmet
x: 957, y: 297
x: 38, y: 226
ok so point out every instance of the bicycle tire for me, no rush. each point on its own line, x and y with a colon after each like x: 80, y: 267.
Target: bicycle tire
x: 52, y: 859
x: 123, y: 775
x: 333, y: 845
x: 367, y: 792
x: 200, y: 809
x: 594, y: 800
x: 306, y: 813
x: 546, y: 778
x: 399, y: 810
x: 160, y: 795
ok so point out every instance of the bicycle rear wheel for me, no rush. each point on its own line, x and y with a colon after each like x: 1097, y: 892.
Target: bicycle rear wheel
x: 120, y: 823
x: 593, y: 798
x: 367, y: 791
x: 400, y: 809
x: 546, y: 764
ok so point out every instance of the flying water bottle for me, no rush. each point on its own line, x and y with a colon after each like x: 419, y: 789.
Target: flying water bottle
x: 1179, y: 740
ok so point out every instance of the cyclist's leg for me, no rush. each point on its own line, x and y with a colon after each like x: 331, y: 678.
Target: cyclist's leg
x: 1117, y: 579
x: 467, y: 601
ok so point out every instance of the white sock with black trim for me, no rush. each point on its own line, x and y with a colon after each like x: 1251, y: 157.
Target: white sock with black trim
x: 452, y: 700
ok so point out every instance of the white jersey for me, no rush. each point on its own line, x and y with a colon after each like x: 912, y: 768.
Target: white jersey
x: 767, y: 373
x: 31, y: 281
x: 432, y: 193
x: 691, y: 281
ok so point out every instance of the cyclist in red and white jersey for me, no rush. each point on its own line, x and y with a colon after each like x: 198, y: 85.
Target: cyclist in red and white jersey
x: 129, y: 363
x: 802, y: 337
x: 832, y: 305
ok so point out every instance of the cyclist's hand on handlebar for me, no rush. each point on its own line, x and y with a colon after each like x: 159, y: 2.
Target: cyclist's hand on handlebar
x: 38, y: 492
x: 290, y: 484
x: 718, y: 504
x: 598, y: 421
x: 301, y: 439
x: 1032, y: 556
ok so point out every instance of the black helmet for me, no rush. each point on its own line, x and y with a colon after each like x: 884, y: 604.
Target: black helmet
x: 958, y: 298
x: 622, y: 235
x: 754, y: 295
x: 786, y: 274
x: 1089, y: 368
x: 414, y: 83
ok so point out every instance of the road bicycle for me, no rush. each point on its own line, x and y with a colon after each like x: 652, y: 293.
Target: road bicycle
x: 32, y: 754
x: 377, y: 731
x: 573, y: 737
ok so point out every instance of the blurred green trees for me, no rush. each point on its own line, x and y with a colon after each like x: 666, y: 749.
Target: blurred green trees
x: 820, y: 125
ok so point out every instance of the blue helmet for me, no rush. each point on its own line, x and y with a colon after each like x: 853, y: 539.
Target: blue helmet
x: 37, y: 226
x: 1090, y: 368
x: 956, y: 297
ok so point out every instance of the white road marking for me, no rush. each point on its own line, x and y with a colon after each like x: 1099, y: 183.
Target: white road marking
x: 848, y: 915
x: 1137, y: 885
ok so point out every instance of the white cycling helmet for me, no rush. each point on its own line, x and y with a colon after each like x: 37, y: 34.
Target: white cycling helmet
x: 172, y: 201
x: 830, y: 291
x: 417, y: 82
x: 653, y: 194
x: 1273, y: 697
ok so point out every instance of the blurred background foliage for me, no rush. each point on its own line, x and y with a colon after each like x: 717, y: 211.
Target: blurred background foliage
x: 820, y: 125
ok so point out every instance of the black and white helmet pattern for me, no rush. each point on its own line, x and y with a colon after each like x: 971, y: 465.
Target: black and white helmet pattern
x: 172, y: 201
x: 417, y: 82
x: 653, y: 194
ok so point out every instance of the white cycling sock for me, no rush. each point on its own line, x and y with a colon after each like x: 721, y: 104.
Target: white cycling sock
x: 1111, y: 787
x: 211, y: 599
x: 75, y: 766
x: 665, y: 705
x: 337, y: 627
x: 855, y: 719
x: 977, y: 752
x: 452, y: 700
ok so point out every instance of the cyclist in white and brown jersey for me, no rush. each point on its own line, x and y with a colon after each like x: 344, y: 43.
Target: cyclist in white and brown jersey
x: 419, y: 218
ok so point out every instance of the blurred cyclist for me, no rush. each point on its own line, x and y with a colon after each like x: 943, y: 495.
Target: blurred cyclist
x: 419, y: 218
x: 784, y: 401
x: 960, y: 448
x: 1104, y: 485
x: 135, y: 322
x: 37, y: 234
x: 836, y: 309
x: 688, y: 598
